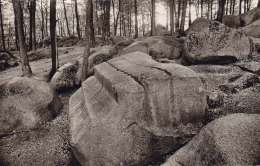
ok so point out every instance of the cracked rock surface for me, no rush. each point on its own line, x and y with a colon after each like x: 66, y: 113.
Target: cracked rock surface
x: 133, y: 110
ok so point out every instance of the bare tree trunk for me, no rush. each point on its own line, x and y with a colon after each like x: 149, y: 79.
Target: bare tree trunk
x: 227, y: 8
x: 2, y: 27
x: 167, y: 15
x: 23, y: 51
x: 244, y: 6
x: 208, y: 9
x: 66, y: 19
x: 189, y: 13
x: 33, y: 6
x: 53, y: 37
x: 42, y: 25
x: 172, y: 6
x: 92, y: 24
x: 230, y: 7
x: 120, y: 21
x: 233, y: 9
x: 258, y: 4
x: 30, y: 33
x: 177, y: 25
x: 117, y: 17
x: 130, y: 19
x: 46, y: 19
x: 221, y: 10
x: 73, y: 20
x: 15, y: 28
x: 77, y: 18
x: 87, y: 42
x: 153, y: 19
x: 184, y: 7
x: 211, y: 9
x: 136, y: 21
x: 201, y: 8
x: 240, y: 6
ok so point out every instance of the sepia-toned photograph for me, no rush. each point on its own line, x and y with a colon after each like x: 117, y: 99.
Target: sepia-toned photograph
x: 129, y: 82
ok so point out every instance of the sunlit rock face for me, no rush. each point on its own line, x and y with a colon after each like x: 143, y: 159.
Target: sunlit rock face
x: 211, y: 42
x: 133, y: 110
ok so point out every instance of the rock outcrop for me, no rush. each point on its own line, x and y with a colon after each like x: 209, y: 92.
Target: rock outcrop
x: 163, y: 50
x: 133, y: 110
x: 230, y: 140
x: 252, y: 29
x: 25, y: 104
x: 214, y: 43
x: 64, y: 78
x: 140, y: 46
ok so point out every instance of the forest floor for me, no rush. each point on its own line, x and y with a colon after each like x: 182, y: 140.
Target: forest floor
x: 42, y: 66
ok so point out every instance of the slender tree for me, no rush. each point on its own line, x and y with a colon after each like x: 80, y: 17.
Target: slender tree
x: 15, y: 28
x: 87, y: 41
x: 2, y: 27
x: 172, y: 6
x: 153, y: 18
x: 53, y: 37
x: 77, y: 18
x: 190, y: 12
x: 221, y: 10
x: 117, y: 17
x: 66, y: 19
x: 32, y: 38
x: 258, y: 5
x: 177, y: 24
x: 240, y: 7
x: 42, y: 23
x: 201, y: 6
x: 92, y: 25
x: 184, y: 7
x: 23, y: 51
x: 136, y: 21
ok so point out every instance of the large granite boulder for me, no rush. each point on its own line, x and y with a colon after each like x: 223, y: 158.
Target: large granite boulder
x: 25, y: 104
x: 64, y: 78
x: 250, y: 16
x: 214, y: 43
x: 230, y: 140
x: 102, y: 55
x: 252, y: 29
x: 122, y: 44
x: 163, y: 50
x: 133, y: 110
x: 140, y: 46
x: 116, y: 39
x: 232, y: 21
